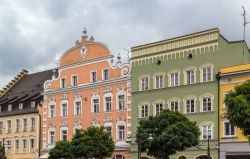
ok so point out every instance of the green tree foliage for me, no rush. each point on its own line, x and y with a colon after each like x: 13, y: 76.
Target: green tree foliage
x: 62, y: 149
x: 238, y: 103
x: 92, y: 143
x: 171, y: 132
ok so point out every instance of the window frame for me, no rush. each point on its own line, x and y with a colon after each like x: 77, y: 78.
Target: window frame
x: 185, y: 104
x: 142, y: 86
x: 230, y: 126
x: 192, y: 68
x: 96, y: 97
x: 174, y: 99
x: 63, y: 82
x: 92, y: 76
x: 159, y: 83
x: 108, y: 95
x: 64, y: 102
x: 103, y: 74
x: 73, y: 84
x: 142, y: 108
x: 201, y: 69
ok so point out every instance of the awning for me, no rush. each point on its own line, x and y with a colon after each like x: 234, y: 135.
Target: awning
x: 45, y: 156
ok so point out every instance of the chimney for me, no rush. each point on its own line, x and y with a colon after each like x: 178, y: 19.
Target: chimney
x: 92, y: 39
x: 84, y: 36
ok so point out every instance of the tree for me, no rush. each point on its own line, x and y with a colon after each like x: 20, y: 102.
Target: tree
x: 62, y: 149
x: 238, y: 104
x: 92, y: 143
x: 171, y: 132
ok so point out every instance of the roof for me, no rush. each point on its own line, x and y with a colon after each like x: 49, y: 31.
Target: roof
x: 28, y: 88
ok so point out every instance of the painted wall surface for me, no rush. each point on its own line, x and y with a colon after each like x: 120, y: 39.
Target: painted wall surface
x: 19, y: 152
x: 228, y: 84
x: 216, y: 52
x: 77, y: 63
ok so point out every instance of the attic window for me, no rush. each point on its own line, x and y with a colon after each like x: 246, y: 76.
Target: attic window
x: 83, y: 51
x: 33, y: 104
x: 20, y: 106
x: 0, y: 108
x: 10, y: 107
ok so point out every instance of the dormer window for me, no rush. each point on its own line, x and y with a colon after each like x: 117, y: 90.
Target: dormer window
x: 10, y: 107
x: 33, y: 104
x: 0, y: 108
x: 20, y: 106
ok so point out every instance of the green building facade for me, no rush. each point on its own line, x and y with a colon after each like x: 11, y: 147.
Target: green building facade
x: 180, y: 74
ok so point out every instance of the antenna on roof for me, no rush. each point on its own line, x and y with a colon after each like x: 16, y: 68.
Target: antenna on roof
x: 244, y: 24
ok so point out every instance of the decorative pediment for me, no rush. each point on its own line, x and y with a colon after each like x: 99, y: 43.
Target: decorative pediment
x: 107, y: 90
x: 120, y: 88
x: 63, y: 122
x: 107, y: 119
x: 64, y: 97
x: 78, y: 95
x: 95, y: 122
x: 120, y: 119
x: 95, y: 93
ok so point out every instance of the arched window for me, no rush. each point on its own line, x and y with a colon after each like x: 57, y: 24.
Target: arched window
x: 121, y: 100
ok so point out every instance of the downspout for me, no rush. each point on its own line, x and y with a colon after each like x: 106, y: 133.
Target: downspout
x: 218, y: 76
x: 40, y: 135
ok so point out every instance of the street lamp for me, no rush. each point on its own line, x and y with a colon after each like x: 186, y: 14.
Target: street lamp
x: 208, y: 149
x: 150, y: 138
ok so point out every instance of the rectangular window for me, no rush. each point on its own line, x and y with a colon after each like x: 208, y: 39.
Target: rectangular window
x: 32, y: 104
x: 108, y: 104
x: 63, y: 82
x: 52, y: 137
x: 229, y: 130
x: 93, y: 76
x: 224, y: 97
x: 10, y: 107
x: 206, y: 104
x: 52, y: 111
x: 121, y: 102
x: 32, y: 124
x: 64, y: 135
x: 96, y: 105
x: 174, y: 106
x: 158, y: 108
x: 190, y: 106
x: 206, y: 74
x: 24, y: 124
x: 206, y: 132
x: 1, y: 127
x: 174, y: 79
x: 32, y: 145
x: 64, y: 109
x: 8, y: 142
x: 121, y: 132
x: 159, y: 81
x: 190, y: 76
x: 20, y: 106
x: 8, y: 126
x: 74, y: 81
x: 24, y: 145
x: 17, y: 125
x: 108, y: 129
x: 105, y: 74
x: 16, y: 146
x: 144, y: 83
x: 78, y: 108
x: 144, y: 111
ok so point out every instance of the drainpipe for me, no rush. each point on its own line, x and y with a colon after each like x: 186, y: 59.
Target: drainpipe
x: 218, y: 76
x: 40, y: 135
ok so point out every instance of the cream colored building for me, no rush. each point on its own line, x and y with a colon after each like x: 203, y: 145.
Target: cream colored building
x: 20, y: 105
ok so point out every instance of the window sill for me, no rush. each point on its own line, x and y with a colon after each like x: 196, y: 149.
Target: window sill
x: 207, y: 112
x: 95, y: 112
x: 192, y: 113
x: 229, y: 137
x: 121, y: 110
x: 108, y: 112
x: 78, y: 115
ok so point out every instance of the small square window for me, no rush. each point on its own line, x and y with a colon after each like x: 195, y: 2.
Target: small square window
x: 93, y: 76
x: 20, y: 106
x: 33, y: 104
x: 74, y: 81
x: 10, y: 107
x: 63, y: 82
x: 105, y: 74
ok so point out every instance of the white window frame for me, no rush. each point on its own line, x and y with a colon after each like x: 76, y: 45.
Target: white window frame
x: 224, y: 129
x: 30, y: 148
x: 24, y: 150
x: 223, y: 100
x: 67, y: 108
x: 49, y: 136
x: 185, y: 74
x: 107, y: 95
x: 91, y: 76
x: 1, y: 127
x: 25, y: 129
x: 140, y: 83
x: 155, y: 103
x: 92, y: 103
x: 33, y: 104
x: 108, y: 124
x: 141, y: 107
x: 201, y: 69
x: 49, y: 108
x: 8, y: 130
x: 158, y: 84
x: 75, y: 108
x: 207, y: 123
x: 8, y: 146
x: 20, y: 106
x: 174, y: 99
x: 120, y: 123
x: 17, y: 127
x: 120, y: 93
x: 72, y: 81
x: 9, y: 107
x: 170, y: 78
x: 61, y: 133
x: 63, y: 85
x: 32, y: 127
x: 185, y: 104
x: 16, y: 150
x: 103, y: 74
x: 211, y: 96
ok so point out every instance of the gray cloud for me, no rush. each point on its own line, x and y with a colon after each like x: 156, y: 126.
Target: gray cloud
x: 34, y: 33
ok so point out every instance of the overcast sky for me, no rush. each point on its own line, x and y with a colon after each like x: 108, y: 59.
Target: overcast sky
x: 35, y: 33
